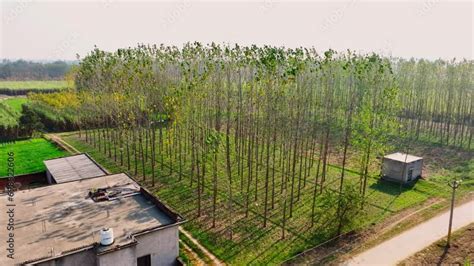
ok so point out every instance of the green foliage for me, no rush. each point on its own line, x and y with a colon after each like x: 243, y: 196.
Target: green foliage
x: 213, y: 140
x: 30, y: 122
x: 10, y: 111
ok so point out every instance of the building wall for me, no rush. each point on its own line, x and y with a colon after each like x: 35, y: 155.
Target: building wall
x: 393, y: 170
x: 26, y: 181
x: 417, y: 168
x: 84, y: 258
x: 162, y: 245
x: 122, y: 257
x: 49, y: 177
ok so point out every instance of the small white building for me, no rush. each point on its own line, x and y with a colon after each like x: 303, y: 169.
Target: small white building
x: 401, y: 167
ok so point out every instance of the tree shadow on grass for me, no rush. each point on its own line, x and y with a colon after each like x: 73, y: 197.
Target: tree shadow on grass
x: 392, y: 188
x: 247, y: 243
x: 267, y: 256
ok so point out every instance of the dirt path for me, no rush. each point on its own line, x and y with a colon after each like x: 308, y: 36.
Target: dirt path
x: 417, y: 238
x: 193, y: 257
x: 215, y: 261
x: 60, y: 142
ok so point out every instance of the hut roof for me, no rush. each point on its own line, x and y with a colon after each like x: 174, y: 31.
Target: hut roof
x: 72, y: 168
x: 402, y: 157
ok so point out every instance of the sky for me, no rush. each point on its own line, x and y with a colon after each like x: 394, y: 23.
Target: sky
x: 431, y: 29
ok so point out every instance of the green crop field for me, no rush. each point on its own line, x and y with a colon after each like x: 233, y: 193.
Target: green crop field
x: 34, y: 84
x: 10, y: 111
x: 15, y: 103
x: 29, y: 155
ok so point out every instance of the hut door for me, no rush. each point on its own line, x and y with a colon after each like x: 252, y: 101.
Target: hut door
x: 410, y: 174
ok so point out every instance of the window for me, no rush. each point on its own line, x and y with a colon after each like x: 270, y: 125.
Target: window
x: 144, y: 260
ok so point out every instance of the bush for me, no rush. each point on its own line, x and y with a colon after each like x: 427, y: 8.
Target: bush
x: 49, y: 118
x: 30, y: 122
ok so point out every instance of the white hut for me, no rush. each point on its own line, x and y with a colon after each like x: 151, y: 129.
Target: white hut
x: 401, y: 167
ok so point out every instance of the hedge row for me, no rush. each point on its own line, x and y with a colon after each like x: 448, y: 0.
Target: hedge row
x: 17, y: 92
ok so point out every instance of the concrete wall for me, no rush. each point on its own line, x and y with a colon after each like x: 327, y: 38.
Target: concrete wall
x: 392, y: 170
x: 26, y: 181
x: 84, y: 258
x: 417, y: 168
x: 49, y: 177
x: 122, y: 257
x: 162, y: 245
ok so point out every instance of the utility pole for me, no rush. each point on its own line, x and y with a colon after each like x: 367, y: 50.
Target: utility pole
x: 454, y: 184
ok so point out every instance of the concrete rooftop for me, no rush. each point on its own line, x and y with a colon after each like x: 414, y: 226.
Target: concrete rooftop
x: 57, y: 218
x: 72, y: 168
x: 402, y: 157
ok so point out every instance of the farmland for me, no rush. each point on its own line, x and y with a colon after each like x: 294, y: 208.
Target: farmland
x: 270, y: 151
x: 15, y: 88
x: 29, y: 155
x: 34, y: 84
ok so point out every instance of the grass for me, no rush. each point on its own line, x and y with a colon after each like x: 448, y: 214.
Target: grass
x: 15, y: 103
x: 10, y: 111
x: 29, y: 155
x: 252, y: 243
x: 34, y: 84
x: 195, y: 248
x: 182, y: 254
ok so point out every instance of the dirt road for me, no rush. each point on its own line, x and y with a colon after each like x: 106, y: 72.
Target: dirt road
x: 415, y: 239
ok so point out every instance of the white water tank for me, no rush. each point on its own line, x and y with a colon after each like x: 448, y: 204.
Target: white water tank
x: 106, y: 236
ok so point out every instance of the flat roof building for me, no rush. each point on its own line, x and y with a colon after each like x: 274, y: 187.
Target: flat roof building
x: 72, y: 168
x: 61, y: 224
x: 401, y: 167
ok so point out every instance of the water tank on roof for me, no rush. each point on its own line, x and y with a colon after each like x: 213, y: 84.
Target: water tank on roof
x: 106, y: 236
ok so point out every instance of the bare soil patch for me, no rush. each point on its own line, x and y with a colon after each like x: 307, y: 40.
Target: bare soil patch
x: 461, y: 251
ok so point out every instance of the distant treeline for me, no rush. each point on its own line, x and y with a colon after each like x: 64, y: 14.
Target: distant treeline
x: 27, y: 70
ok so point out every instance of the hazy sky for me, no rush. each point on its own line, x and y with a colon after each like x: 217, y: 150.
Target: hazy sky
x: 60, y: 30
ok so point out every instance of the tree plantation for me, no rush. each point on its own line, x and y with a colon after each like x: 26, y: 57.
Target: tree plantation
x: 267, y: 151
x: 437, y: 100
